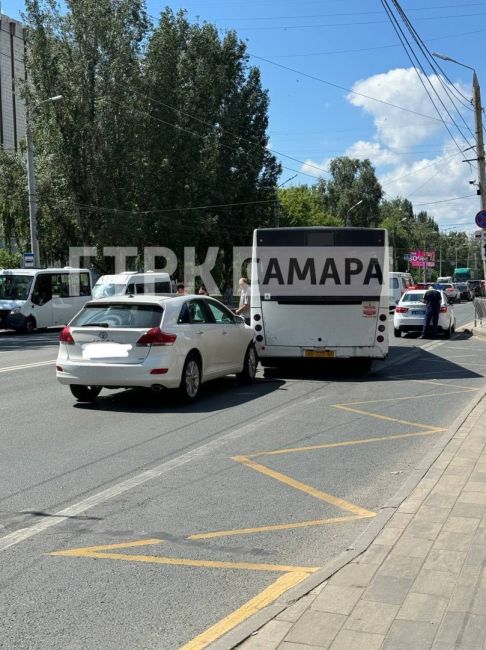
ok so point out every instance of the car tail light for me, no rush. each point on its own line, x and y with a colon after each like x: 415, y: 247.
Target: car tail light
x: 443, y: 309
x: 401, y: 310
x: 159, y: 371
x: 155, y: 336
x: 66, y: 337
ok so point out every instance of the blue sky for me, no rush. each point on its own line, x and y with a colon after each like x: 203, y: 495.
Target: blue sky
x: 353, y: 45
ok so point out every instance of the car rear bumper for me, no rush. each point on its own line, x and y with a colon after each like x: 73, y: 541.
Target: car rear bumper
x: 115, y: 375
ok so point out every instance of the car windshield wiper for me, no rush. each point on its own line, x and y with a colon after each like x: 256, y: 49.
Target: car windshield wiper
x: 95, y: 325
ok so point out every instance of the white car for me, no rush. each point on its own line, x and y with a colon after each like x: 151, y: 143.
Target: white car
x: 153, y: 342
x: 451, y: 292
x: 410, y: 314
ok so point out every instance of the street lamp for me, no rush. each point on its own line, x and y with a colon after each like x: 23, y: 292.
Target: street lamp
x: 34, y: 239
x: 350, y: 209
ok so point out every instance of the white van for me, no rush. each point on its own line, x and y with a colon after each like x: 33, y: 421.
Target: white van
x: 131, y: 282
x: 32, y: 298
x: 399, y: 283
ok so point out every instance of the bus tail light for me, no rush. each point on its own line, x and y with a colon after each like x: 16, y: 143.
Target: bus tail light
x: 155, y: 336
x: 66, y: 337
x: 401, y: 310
x: 380, y: 338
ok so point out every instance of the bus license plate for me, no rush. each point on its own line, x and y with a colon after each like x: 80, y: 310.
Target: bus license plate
x: 319, y: 353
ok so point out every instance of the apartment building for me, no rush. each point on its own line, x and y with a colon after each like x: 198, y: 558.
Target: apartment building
x: 12, y: 73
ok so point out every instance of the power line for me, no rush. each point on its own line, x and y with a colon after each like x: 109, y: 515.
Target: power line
x: 97, y: 208
x: 354, y: 13
x: 412, y: 56
x: 376, y: 47
x: 348, y: 90
x: 349, y: 24
x: 454, y: 198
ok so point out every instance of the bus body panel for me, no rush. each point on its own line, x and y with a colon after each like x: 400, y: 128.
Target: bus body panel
x: 343, y: 326
x: 320, y: 325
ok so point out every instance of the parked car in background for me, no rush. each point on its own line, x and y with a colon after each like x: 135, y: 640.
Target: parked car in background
x: 153, y: 342
x: 465, y: 292
x: 399, y: 283
x: 33, y: 298
x: 135, y: 283
x: 477, y: 288
x: 450, y: 291
x: 410, y: 314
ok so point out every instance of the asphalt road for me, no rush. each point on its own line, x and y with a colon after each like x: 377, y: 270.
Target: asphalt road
x: 194, y: 511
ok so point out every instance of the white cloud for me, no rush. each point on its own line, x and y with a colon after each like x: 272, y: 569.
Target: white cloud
x: 314, y: 168
x: 424, y: 182
x: 397, y: 128
x: 427, y: 181
x: 372, y: 150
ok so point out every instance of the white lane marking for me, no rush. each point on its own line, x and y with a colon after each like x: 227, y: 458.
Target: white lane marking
x: 163, y: 468
x: 28, y: 365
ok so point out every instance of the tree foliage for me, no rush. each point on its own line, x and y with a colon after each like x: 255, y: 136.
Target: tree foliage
x: 154, y: 121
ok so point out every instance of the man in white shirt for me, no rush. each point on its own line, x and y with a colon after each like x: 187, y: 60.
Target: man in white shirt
x: 244, y: 306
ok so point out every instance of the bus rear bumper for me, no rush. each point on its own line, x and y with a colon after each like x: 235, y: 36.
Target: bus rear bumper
x: 271, y: 353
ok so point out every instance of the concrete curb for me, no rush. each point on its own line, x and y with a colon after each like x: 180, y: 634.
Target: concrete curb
x: 363, y: 541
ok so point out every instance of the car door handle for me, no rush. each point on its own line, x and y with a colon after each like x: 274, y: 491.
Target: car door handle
x: 225, y: 332
x: 201, y: 332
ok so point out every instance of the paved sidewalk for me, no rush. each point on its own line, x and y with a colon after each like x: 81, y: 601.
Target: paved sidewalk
x: 422, y: 582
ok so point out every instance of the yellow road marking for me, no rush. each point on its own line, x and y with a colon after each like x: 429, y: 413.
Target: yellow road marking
x: 345, y: 443
x: 410, y: 397
x: 75, y: 552
x: 268, y: 529
x: 318, y: 494
x: 157, y: 559
x: 266, y: 597
x: 385, y: 417
x: 434, y: 382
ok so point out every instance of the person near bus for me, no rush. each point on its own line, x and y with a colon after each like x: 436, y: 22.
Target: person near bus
x: 432, y: 299
x: 180, y: 289
x: 244, y: 306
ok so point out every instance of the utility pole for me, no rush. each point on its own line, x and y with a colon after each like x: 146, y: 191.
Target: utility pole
x: 479, y: 140
x: 276, y: 211
x: 478, y: 114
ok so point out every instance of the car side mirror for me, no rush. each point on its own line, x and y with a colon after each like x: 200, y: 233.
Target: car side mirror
x: 239, y: 319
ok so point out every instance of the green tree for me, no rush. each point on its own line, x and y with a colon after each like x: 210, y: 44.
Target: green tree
x: 353, y: 192
x: 87, y: 145
x: 303, y: 205
x: 14, y: 208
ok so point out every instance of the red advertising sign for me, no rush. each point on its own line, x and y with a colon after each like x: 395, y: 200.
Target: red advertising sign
x: 419, y: 259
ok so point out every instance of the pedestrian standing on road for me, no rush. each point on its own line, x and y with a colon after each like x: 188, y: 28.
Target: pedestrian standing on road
x: 203, y: 291
x: 244, y: 307
x: 181, y: 289
x: 432, y: 299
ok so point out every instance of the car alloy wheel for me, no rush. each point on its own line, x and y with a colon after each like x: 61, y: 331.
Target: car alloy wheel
x: 191, y: 379
x: 247, y: 375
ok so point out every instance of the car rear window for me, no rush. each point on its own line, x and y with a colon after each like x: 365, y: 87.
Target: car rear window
x: 413, y: 297
x: 119, y: 315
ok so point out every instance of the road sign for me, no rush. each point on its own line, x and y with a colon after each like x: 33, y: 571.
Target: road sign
x: 479, y: 234
x: 481, y: 219
x: 28, y: 260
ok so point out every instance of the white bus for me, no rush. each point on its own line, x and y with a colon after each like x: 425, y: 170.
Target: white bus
x: 320, y: 292
x: 34, y: 298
